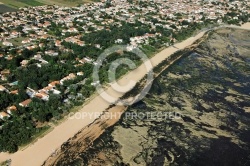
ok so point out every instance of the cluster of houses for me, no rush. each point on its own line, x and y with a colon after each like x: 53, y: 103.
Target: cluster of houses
x: 138, y: 40
x: 34, y: 24
x: 42, y: 94
x: 95, y: 16
x: 8, y: 113
x: 11, y: 109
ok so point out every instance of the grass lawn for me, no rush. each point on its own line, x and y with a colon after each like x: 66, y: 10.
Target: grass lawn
x: 17, y: 41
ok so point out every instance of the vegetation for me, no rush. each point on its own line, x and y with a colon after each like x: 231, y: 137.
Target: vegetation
x: 198, y: 90
x: 20, y: 128
x: 21, y: 3
x: 4, y: 9
x: 31, y: 2
x: 24, y: 3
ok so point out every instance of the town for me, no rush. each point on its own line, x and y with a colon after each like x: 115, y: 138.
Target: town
x: 47, y: 53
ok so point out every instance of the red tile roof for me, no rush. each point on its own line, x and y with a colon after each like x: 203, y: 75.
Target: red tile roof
x: 25, y: 103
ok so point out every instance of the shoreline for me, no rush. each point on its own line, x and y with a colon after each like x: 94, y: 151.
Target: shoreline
x: 45, y: 146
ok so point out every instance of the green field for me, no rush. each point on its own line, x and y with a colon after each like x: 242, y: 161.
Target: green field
x: 65, y: 2
x: 24, y: 3
x: 21, y: 3
x: 31, y: 2
x: 4, y: 9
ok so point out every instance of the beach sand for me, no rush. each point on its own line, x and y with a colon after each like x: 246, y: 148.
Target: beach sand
x: 38, y: 152
x: 246, y: 26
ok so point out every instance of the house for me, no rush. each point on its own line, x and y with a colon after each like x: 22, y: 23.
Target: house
x: 2, y: 88
x: 23, y: 63
x: 14, y: 34
x: 5, y: 72
x: 37, y: 57
x: 5, y: 43
x: 80, y: 73
x: 51, y: 53
x: 31, y: 47
x: 45, y: 36
x: 72, y: 30
x: 25, y: 103
x: 9, y: 57
x: 71, y: 76
x: 30, y: 92
x: 58, y: 43
x: 46, y: 89
x: 46, y: 24
x: 11, y: 109
x: 82, y: 61
x: 3, y: 115
x: 14, y: 92
x: 54, y: 83
x: 26, y: 41
x: 80, y: 43
x: 118, y: 41
x: 13, y: 83
x: 89, y: 60
x: 42, y: 95
x: 95, y: 83
x: 4, y: 78
x: 56, y: 92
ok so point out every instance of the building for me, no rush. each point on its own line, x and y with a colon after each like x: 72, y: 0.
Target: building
x: 25, y: 103
x: 11, y: 109
x: 5, y: 72
x: 46, y: 89
x: 54, y: 83
x: 3, y: 115
x: 71, y: 76
x: 2, y: 88
x: 30, y: 92
x: 95, y: 83
x: 80, y: 73
x: 5, y: 43
x: 42, y: 96
x: 14, y: 92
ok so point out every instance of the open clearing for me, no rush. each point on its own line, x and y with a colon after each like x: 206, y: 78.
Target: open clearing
x: 24, y: 3
x: 65, y: 2
x: 4, y: 8
x: 20, y: 3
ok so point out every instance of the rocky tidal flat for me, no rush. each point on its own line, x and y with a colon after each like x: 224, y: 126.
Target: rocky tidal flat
x: 209, y: 87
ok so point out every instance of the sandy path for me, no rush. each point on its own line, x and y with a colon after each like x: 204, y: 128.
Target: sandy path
x: 37, y: 153
x: 246, y: 26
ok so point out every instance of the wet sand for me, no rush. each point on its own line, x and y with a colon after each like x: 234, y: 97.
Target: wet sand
x: 38, y: 152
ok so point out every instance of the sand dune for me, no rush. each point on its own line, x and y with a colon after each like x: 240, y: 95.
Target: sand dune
x: 38, y: 152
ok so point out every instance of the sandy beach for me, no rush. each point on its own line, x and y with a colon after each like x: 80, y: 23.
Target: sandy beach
x: 246, y: 26
x: 37, y: 153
